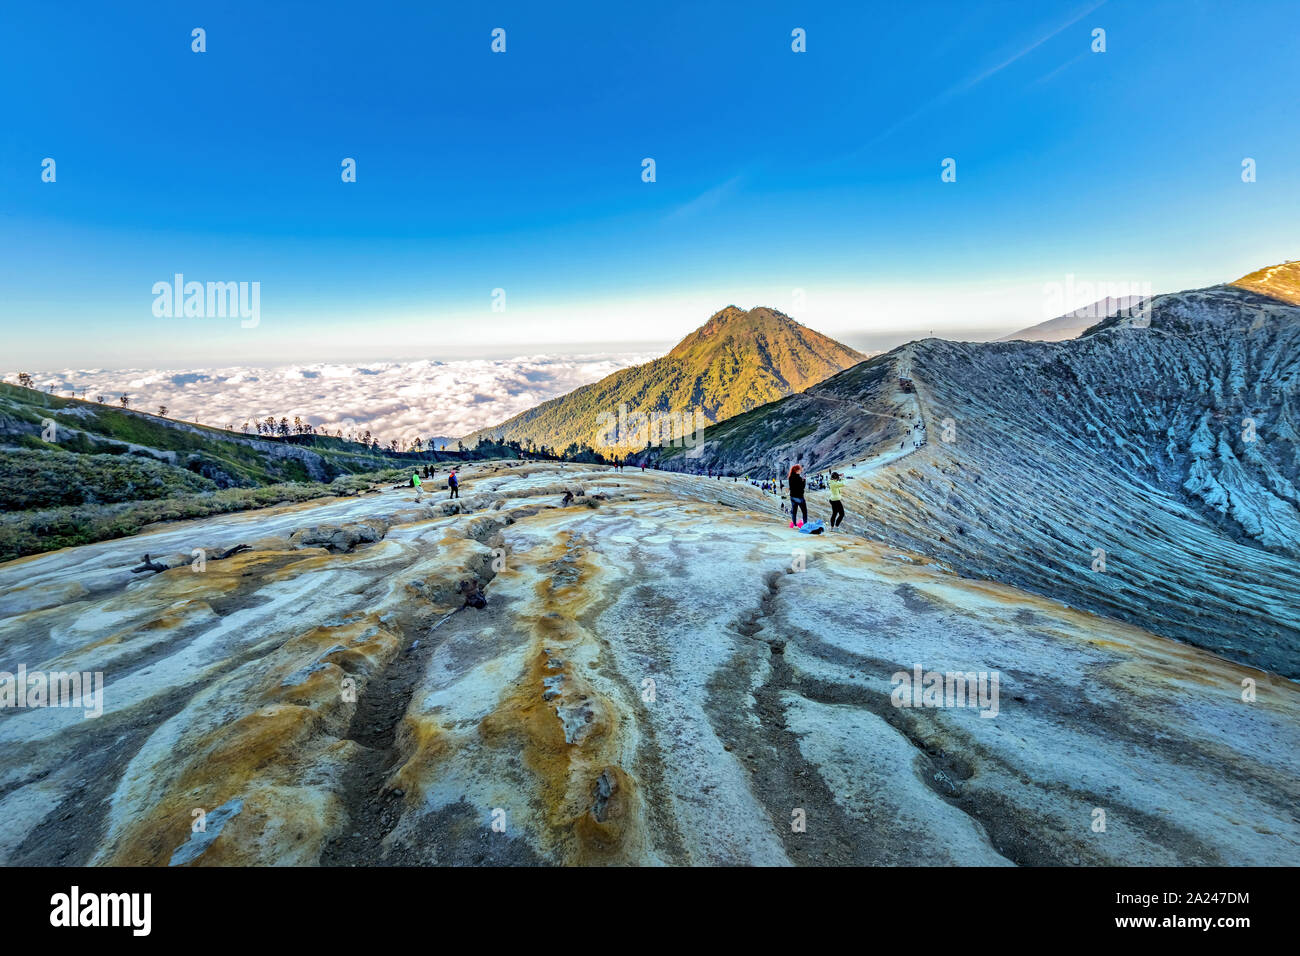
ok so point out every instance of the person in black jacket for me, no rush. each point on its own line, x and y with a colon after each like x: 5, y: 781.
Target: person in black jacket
x: 795, y: 478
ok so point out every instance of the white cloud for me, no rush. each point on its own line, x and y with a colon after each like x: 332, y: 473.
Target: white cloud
x: 392, y: 399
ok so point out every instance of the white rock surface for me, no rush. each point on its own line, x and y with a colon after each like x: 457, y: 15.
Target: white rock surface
x: 651, y: 681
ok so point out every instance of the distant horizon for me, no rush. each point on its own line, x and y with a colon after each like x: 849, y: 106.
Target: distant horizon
x: 432, y: 398
x: 883, y: 338
x: 428, y: 397
x: 862, y: 340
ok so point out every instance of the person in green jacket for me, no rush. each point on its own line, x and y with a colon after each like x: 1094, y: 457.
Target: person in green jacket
x: 837, y: 506
x: 415, y: 483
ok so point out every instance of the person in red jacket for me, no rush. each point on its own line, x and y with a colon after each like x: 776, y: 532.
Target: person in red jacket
x: 795, y: 478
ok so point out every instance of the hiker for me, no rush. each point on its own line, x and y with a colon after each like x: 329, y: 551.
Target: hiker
x: 415, y: 483
x: 795, y: 479
x: 837, y: 506
x: 454, y: 484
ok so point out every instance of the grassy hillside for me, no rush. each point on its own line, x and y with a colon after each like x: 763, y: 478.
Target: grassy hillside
x: 737, y: 361
x: 72, y: 471
x: 810, y: 427
x: 225, y: 458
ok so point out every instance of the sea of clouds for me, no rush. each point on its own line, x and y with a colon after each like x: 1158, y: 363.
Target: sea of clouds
x: 402, y: 400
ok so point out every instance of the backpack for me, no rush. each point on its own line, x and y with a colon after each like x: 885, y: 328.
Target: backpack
x: 812, y: 527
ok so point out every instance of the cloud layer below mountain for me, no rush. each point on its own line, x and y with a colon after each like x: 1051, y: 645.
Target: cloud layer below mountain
x: 393, y: 399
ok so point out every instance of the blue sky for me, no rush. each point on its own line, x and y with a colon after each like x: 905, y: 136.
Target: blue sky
x: 776, y: 170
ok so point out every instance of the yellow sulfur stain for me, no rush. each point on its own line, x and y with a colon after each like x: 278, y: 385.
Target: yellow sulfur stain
x: 265, y: 746
x: 609, y: 839
x: 567, y: 771
x: 427, y: 743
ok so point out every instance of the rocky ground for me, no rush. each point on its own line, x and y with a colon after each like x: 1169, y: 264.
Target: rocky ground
x: 662, y: 673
